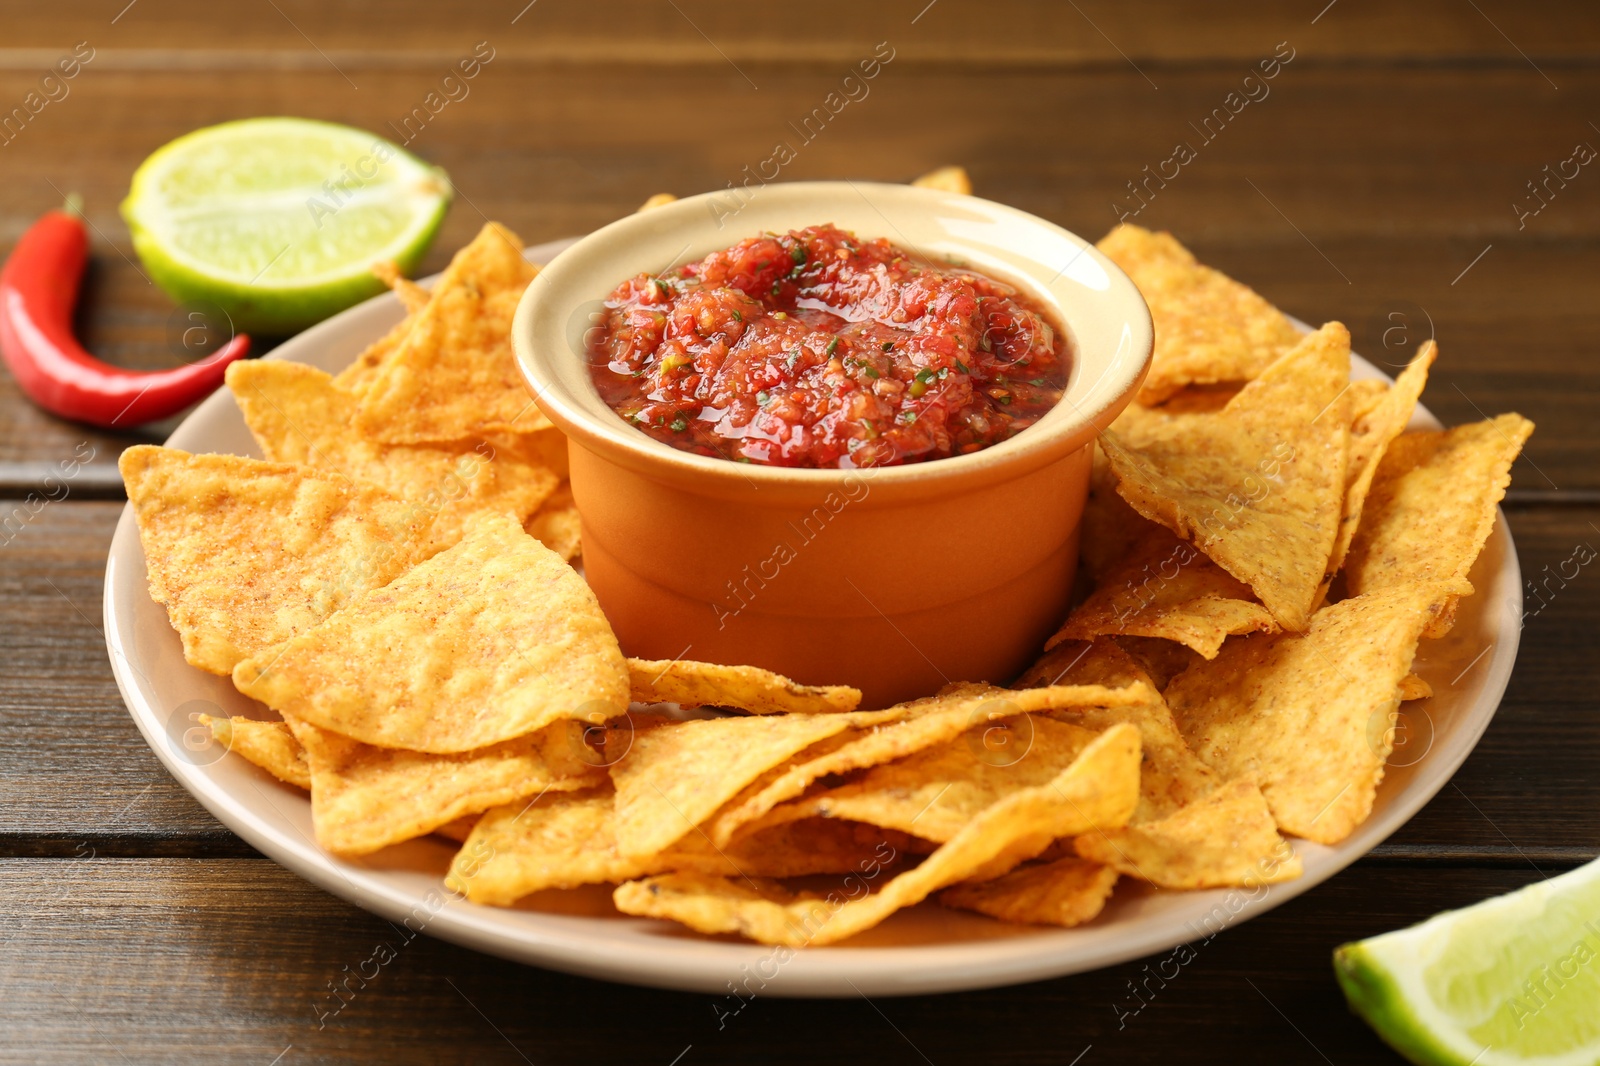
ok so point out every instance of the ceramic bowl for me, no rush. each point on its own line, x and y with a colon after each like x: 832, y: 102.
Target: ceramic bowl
x: 896, y: 580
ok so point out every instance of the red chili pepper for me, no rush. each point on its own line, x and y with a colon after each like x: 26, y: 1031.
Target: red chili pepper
x: 38, y: 291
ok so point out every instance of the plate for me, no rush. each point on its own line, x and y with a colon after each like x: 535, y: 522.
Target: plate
x: 925, y: 949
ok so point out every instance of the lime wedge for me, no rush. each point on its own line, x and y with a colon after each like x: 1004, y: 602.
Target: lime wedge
x: 1514, y: 979
x: 278, y: 221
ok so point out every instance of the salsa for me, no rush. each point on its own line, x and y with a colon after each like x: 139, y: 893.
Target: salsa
x: 814, y: 348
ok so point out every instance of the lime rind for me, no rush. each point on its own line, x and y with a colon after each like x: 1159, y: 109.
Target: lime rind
x: 1511, y: 981
x: 278, y: 221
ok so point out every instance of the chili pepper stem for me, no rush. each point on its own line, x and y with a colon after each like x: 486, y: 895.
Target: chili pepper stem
x: 74, y: 205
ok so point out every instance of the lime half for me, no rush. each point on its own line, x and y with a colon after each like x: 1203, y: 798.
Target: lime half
x: 278, y: 221
x: 1514, y: 979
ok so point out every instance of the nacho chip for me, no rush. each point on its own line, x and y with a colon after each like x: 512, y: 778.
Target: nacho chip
x: 414, y: 296
x: 269, y: 745
x: 563, y: 840
x: 1309, y: 717
x: 1163, y: 660
x: 454, y: 375
x: 1365, y: 395
x: 946, y: 179
x: 1413, y: 687
x: 660, y: 199
x: 1066, y: 892
x: 358, y: 377
x: 365, y: 798
x: 1225, y: 838
x: 1432, y: 506
x: 1172, y: 775
x: 1167, y: 588
x: 360, y: 374
x: 489, y: 640
x: 1209, y: 328
x: 1194, y: 400
x: 745, y: 688
x: 935, y: 792
x: 556, y: 524
x: 557, y: 840
x: 905, y: 730
x: 1111, y: 528
x: 677, y: 774
x: 1371, y: 432
x: 797, y: 848
x: 1098, y: 790
x: 245, y: 554
x: 297, y: 415
x: 1260, y: 486
x: 458, y: 829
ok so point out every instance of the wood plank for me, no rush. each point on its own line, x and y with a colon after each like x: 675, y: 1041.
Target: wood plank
x: 73, y: 767
x: 965, y: 32
x: 1334, y: 176
x: 175, y: 961
x: 76, y: 771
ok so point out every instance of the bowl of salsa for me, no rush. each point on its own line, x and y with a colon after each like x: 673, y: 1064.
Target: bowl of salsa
x: 819, y: 348
x: 843, y: 432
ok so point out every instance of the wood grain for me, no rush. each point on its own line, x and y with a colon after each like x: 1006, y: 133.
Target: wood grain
x: 1355, y: 198
x: 1376, y: 185
x: 231, y: 960
x: 1089, y: 33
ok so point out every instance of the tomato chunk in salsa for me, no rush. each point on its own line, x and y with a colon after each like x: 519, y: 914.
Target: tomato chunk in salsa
x: 814, y: 348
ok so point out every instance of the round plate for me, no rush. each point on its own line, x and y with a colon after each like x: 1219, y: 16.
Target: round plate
x: 925, y: 949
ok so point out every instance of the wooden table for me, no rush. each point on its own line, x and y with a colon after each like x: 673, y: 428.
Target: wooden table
x: 1374, y: 184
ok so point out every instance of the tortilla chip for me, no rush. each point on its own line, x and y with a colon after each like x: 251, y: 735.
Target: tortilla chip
x: 946, y: 179
x: 269, y: 745
x: 798, y: 848
x: 1371, y: 433
x: 1309, y: 717
x: 677, y: 774
x: 1259, y: 487
x: 905, y: 730
x: 660, y: 199
x: 1225, y: 838
x: 557, y: 840
x: 297, y: 415
x: 935, y: 792
x: 1172, y: 776
x: 1098, y: 790
x: 1111, y: 528
x: 1365, y: 395
x: 1209, y: 328
x: 1432, y: 506
x: 1167, y: 588
x: 1066, y: 892
x: 414, y: 296
x: 1413, y: 687
x: 486, y: 641
x: 1163, y: 660
x: 245, y: 554
x: 556, y: 524
x: 365, y: 798
x: 563, y: 840
x: 358, y: 377
x: 745, y: 688
x: 459, y: 829
x: 454, y: 375
x: 1194, y: 400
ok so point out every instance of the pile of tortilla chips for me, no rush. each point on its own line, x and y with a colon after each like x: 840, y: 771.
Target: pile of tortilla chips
x: 1270, y: 541
x: 1266, y: 545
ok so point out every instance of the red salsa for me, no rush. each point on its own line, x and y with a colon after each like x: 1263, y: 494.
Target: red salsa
x: 815, y: 348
